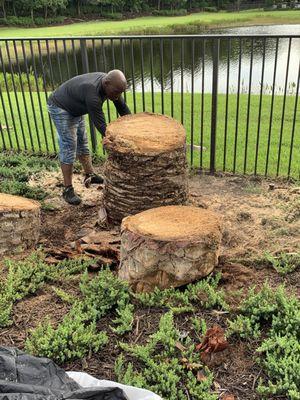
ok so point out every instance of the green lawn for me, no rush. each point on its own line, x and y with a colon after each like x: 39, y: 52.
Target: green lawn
x: 42, y: 139
x: 159, y: 25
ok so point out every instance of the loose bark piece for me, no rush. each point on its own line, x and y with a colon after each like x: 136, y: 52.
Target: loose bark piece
x: 146, y: 165
x: 19, y: 224
x: 168, y: 246
x: 101, y: 245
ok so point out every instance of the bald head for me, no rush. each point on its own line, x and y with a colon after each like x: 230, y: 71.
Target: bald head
x: 114, y: 84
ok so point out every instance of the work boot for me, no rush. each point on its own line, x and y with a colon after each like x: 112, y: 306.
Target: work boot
x: 91, y: 179
x: 70, y: 196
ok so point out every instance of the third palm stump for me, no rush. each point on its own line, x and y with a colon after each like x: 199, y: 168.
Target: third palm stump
x: 146, y: 164
x: 169, y: 246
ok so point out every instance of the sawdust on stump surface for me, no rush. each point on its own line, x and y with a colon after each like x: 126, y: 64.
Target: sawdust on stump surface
x: 146, y: 165
x: 169, y: 246
x: 19, y: 223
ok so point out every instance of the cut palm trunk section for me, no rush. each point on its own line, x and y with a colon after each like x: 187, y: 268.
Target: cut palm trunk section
x: 146, y: 165
x: 169, y: 247
x: 19, y: 224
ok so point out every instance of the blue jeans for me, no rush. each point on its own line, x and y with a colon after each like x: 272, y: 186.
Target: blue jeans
x: 72, y: 137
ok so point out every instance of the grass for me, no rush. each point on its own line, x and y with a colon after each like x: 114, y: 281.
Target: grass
x: 35, y: 136
x: 147, y: 25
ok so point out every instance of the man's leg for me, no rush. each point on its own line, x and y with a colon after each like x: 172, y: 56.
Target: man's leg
x: 67, y: 171
x: 83, y: 155
x: 66, y: 126
x: 86, y: 162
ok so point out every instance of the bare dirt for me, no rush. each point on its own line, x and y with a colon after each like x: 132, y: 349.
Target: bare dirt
x: 258, y: 216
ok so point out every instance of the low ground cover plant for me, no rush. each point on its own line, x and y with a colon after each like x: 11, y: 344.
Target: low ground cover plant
x: 273, y: 316
x: 17, y: 169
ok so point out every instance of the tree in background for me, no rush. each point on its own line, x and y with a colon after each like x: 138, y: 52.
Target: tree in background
x: 2, y: 4
x: 31, y: 5
x: 53, y: 6
x: 45, y: 8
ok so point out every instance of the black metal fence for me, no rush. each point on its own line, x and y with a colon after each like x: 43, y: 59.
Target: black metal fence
x: 237, y: 96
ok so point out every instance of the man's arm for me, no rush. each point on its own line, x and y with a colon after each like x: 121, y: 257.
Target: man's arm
x: 94, y: 107
x: 121, y: 106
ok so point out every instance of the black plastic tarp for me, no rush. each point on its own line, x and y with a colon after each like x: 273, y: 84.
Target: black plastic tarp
x: 24, y: 377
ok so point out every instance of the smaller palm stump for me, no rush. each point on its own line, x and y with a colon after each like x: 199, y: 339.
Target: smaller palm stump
x: 169, y: 247
x: 19, y: 224
x: 146, y: 165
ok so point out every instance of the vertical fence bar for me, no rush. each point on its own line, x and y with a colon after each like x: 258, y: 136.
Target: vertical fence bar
x: 226, y: 102
x: 74, y: 56
x: 192, y: 101
x: 172, y: 77
x: 123, y: 64
x: 214, y: 104
x: 142, y: 72
x: 1, y: 128
x: 39, y: 96
x: 113, y: 61
x: 95, y: 55
x: 294, y: 122
x: 58, y: 60
x: 237, y: 106
x: 66, y: 58
x: 202, y: 103
x: 182, y: 78
x: 260, y: 105
x: 132, y: 75
x: 161, y: 56
x: 84, y: 56
x: 151, y: 74
x: 86, y: 68
x: 272, y: 107
x: 105, y: 69
x: 9, y: 99
x: 31, y: 97
x: 50, y: 64
x: 45, y: 91
x: 15, y: 93
x: 6, y: 119
x: 113, y: 53
x: 248, y: 106
x: 283, y: 106
x: 23, y: 92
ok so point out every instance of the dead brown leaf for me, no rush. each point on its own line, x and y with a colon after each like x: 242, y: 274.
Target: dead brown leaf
x: 214, y: 340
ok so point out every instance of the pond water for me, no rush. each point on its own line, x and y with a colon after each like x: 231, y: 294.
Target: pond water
x: 183, y: 64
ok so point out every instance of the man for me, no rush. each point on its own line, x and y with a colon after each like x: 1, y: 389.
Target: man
x: 83, y: 94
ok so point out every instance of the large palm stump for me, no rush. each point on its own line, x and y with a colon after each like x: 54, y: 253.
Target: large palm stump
x: 169, y: 247
x: 19, y: 224
x: 146, y: 165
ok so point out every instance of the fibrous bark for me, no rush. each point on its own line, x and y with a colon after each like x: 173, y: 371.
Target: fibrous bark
x: 146, y: 165
x: 169, y: 247
x: 19, y: 224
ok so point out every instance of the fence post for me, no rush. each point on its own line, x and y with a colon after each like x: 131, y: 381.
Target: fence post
x: 214, y: 104
x: 85, y: 69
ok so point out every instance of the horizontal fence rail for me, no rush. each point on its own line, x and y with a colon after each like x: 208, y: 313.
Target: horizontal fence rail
x: 237, y: 96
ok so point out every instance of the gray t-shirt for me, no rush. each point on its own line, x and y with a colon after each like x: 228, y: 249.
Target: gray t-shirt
x: 84, y: 94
